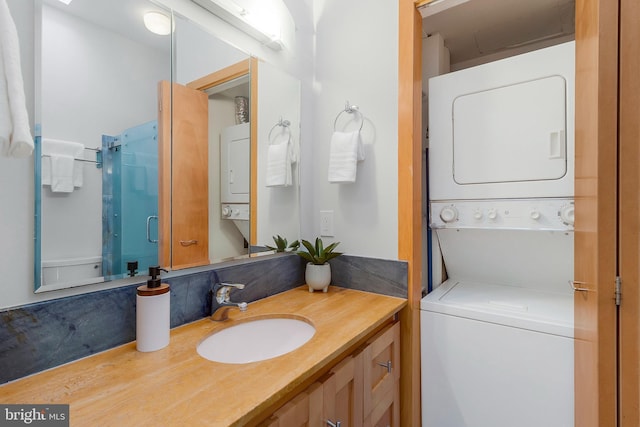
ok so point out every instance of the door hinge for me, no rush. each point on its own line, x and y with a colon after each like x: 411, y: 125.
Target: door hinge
x: 618, y: 290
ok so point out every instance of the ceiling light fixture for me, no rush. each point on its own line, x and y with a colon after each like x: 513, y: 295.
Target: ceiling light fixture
x: 65, y: 2
x: 241, y: 18
x: 157, y: 23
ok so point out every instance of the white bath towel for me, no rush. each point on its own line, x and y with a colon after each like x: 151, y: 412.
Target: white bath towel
x: 5, y: 114
x: 279, y: 165
x: 53, y: 149
x: 62, y: 173
x: 345, y: 152
x: 20, y: 139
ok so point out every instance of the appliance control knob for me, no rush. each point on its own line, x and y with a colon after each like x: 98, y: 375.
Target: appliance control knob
x: 477, y: 214
x: 449, y: 214
x: 567, y: 214
x: 535, y: 214
x: 493, y: 214
x: 227, y: 211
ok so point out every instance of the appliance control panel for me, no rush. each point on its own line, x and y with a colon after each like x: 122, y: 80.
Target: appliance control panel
x: 517, y: 214
x: 235, y: 211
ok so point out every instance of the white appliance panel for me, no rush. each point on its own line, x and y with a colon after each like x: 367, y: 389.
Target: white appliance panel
x: 238, y: 161
x: 235, y: 168
x: 511, y: 133
x: 514, y: 214
x: 524, y: 308
x: 479, y: 374
x: 504, y: 129
x: 536, y: 259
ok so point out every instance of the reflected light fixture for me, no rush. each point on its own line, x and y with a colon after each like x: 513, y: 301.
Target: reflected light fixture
x: 65, y: 1
x: 437, y: 6
x: 241, y: 18
x: 157, y: 23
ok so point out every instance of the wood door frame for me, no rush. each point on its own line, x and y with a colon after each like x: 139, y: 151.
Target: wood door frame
x: 595, y: 206
x: 410, y: 203
x: 595, y: 198
x: 629, y: 220
x: 245, y: 67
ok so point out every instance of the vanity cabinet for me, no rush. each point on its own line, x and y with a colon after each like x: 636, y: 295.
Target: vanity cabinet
x: 381, y: 379
x: 361, y: 390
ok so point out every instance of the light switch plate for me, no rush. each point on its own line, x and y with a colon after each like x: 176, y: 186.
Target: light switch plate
x: 326, y: 223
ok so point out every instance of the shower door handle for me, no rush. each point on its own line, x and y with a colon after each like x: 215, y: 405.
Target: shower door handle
x: 149, y: 218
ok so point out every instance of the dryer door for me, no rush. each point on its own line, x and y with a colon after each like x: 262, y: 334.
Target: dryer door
x: 512, y: 133
x: 504, y: 129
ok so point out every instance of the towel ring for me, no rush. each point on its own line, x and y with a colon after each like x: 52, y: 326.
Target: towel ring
x: 350, y: 109
x: 283, y: 123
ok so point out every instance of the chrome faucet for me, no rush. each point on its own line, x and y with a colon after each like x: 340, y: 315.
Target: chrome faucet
x: 221, y: 293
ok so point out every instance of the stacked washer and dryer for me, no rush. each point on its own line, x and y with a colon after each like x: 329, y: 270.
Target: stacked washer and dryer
x: 497, y: 334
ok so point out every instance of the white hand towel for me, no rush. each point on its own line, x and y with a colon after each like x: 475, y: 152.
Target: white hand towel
x: 21, y: 141
x: 278, y: 165
x: 5, y: 114
x: 345, y: 152
x: 54, y: 147
x: 62, y: 173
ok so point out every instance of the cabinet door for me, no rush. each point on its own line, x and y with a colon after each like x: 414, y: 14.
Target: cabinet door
x: 184, y: 176
x: 300, y: 410
x: 381, y: 379
x: 342, y: 394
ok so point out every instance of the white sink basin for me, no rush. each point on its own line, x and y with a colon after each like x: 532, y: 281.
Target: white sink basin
x: 256, y: 340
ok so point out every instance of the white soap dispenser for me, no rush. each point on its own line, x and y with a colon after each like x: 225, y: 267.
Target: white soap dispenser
x: 153, y: 313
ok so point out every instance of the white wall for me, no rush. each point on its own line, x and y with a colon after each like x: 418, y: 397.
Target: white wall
x: 199, y: 53
x: 278, y: 207
x: 356, y: 59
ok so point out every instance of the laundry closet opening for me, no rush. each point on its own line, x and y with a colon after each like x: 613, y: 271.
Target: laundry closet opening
x: 498, y: 110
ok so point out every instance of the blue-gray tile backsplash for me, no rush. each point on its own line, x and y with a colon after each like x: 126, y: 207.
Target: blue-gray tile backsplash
x: 40, y: 336
x: 372, y: 275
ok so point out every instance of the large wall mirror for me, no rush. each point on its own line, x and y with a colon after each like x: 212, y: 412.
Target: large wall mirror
x: 118, y: 187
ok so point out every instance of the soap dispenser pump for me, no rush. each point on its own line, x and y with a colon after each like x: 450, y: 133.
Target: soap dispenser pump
x: 154, y: 281
x: 153, y: 313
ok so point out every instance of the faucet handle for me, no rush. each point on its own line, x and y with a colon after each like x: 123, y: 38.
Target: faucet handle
x: 233, y: 285
x: 221, y: 291
x: 226, y: 287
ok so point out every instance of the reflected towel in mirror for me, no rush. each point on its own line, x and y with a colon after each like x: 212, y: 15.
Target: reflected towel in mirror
x: 55, y: 167
x: 280, y: 157
x: 61, y: 173
x: 346, y: 151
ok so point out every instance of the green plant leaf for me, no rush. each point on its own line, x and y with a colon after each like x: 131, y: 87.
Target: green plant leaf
x: 309, y: 248
x: 332, y: 255
x: 318, y: 254
x: 319, y: 247
x: 295, y: 245
x: 306, y: 256
x: 331, y: 247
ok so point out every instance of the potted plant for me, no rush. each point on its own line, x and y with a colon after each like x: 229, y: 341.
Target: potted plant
x: 318, y: 271
x: 281, y: 245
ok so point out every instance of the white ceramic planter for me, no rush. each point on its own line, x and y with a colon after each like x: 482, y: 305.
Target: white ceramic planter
x: 318, y: 277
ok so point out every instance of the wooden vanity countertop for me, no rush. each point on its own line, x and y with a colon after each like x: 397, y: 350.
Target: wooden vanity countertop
x: 176, y: 387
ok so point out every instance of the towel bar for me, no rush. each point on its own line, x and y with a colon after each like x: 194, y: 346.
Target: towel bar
x: 349, y: 109
x: 80, y: 160
x: 283, y: 123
